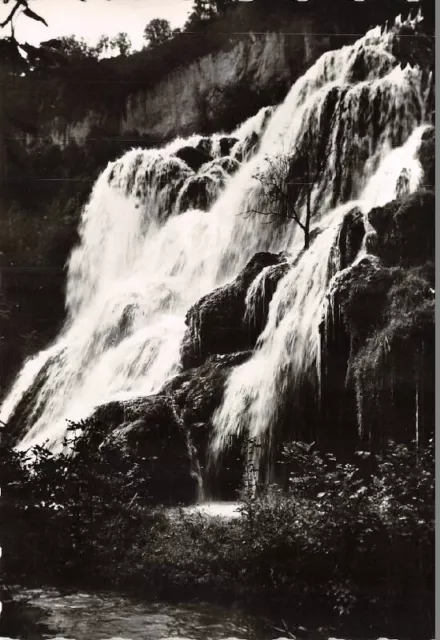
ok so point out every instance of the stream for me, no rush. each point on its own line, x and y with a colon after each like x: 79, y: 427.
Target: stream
x: 37, y: 614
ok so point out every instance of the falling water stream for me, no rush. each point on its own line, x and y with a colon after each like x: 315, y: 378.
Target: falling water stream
x: 147, y: 253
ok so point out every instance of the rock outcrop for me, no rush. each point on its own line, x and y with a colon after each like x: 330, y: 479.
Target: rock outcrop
x: 183, y: 101
x: 194, y: 157
x: 171, y: 430
x: 150, y: 428
x: 377, y: 365
x: 170, y: 433
x: 217, y: 323
x: 350, y: 238
x: 426, y: 156
x: 404, y: 230
x: 216, y: 91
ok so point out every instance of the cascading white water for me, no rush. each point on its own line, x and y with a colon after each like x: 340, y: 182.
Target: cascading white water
x: 142, y: 262
x: 139, y: 266
x: 288, y: 349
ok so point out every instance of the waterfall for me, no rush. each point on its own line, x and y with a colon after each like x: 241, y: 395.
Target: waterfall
x: 146, y: 254
x: 289, y: 347
x: 287, y: 350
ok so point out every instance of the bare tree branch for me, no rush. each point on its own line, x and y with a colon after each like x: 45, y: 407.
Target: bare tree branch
x: 27, y: 12
x: 11, y: 15
x: 287, y: 183
x: 31, y: 14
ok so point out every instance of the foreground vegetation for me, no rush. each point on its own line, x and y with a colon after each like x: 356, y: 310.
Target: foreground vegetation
x: 354, y: 541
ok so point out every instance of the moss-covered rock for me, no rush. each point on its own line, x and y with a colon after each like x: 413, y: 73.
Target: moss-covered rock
x: 149, y: 428
x: 426, y: 156
x: 404, y: 230
x: 393, y: 371
x: 170, y: 432
x: 377, y: 365
x: 260, y: 294
x: 349, y: 240
x: 196, y: 194
x: 354, y: 303
x: 216, y: 323
x: 197, y: 393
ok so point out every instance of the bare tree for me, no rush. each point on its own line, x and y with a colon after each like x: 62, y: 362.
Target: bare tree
x: 288, y: 181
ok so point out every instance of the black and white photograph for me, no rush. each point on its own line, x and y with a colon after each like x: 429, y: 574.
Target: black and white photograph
x: 217, y: 319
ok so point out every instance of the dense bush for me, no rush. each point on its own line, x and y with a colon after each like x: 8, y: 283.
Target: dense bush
x: 349, y: 538
x: 344, y: 536
x: 70, y: 515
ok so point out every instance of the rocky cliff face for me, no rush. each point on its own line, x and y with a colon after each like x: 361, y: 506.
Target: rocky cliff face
x: 190, y: 97
x: 197, y: 97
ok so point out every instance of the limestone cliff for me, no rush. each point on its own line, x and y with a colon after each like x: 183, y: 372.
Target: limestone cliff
x: 222, y: 88
x: 183, y: 101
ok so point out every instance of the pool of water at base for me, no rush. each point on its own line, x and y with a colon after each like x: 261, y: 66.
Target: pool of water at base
x: 37, y: 614
x: 51, y: 614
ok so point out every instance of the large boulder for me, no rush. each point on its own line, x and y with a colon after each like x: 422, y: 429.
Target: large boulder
x: 349, y: 240
x: 170, y: 433
x: 217, y: 324
x: 404, y: 230
x: 194, y: 157
x: 150, y: 428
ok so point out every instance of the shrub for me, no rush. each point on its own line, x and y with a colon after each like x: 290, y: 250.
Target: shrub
x: 76, y: 511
